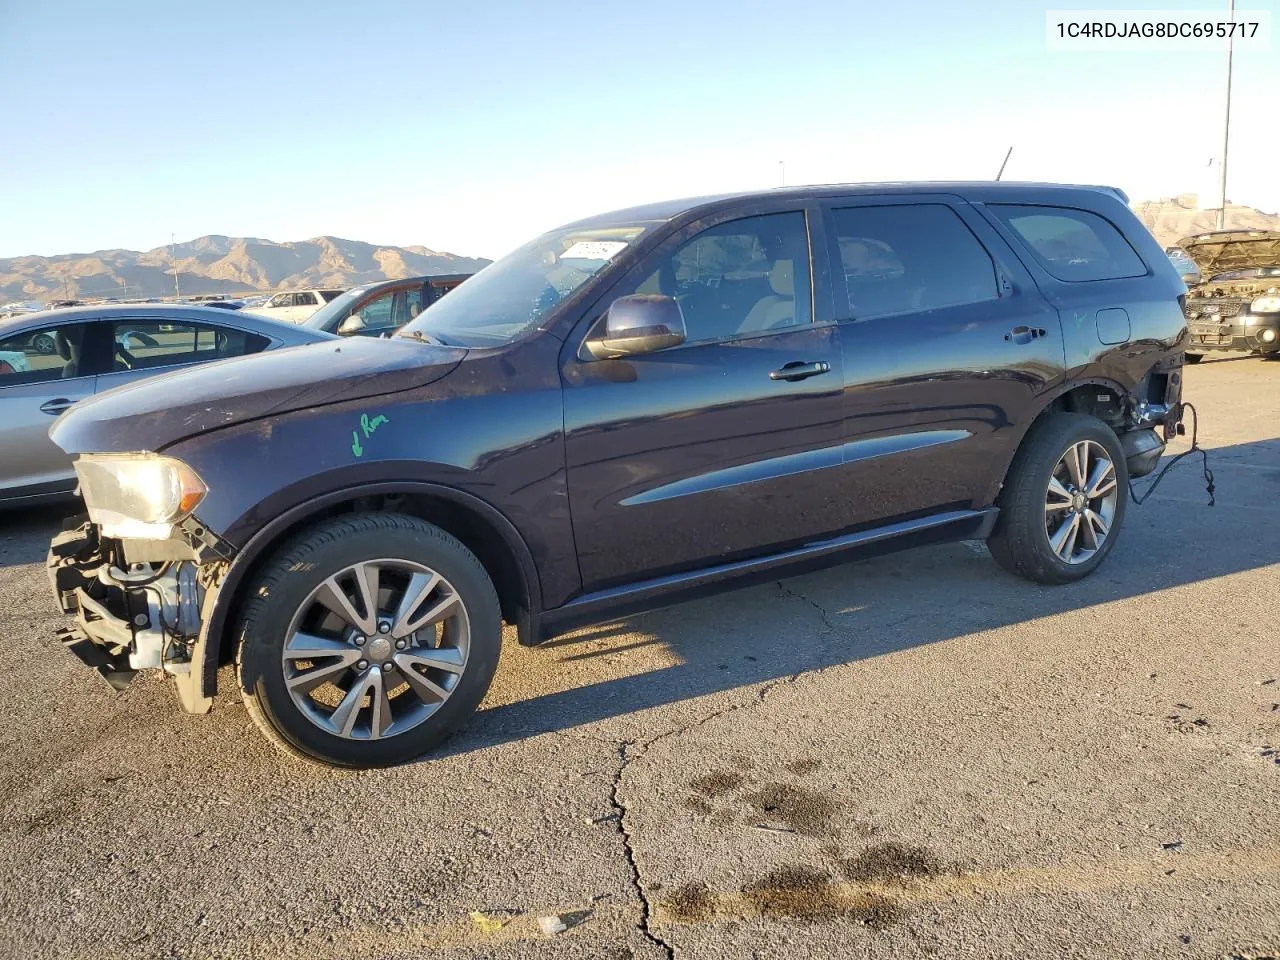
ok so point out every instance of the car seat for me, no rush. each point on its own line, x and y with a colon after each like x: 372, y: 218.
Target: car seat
x: 69, y: 351
x: 777, y: 309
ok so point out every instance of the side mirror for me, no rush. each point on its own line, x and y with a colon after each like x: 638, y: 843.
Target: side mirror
x: 641, y: 323
x: 353, y: 324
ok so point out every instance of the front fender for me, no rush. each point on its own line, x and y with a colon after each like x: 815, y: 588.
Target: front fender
x: 221, y: 602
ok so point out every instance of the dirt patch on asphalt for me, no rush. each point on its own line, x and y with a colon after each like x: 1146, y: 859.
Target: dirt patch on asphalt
x: 717, y: 783
x: 804, y: 766
x: 798, y: 892
x: 802, y: 810
x: 691, y: 903
x: 699, y: 806
x: 889, y: 862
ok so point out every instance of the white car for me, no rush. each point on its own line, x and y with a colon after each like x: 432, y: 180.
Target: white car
x: 295, y: 305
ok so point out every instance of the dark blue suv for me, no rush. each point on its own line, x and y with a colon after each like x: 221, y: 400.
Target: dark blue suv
x: 625, y: 412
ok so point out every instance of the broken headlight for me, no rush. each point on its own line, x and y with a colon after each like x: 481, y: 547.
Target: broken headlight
x: 138, y: 495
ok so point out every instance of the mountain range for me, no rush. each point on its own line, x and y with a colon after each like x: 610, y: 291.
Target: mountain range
x: 1174, y: 218
x: 217, y: 264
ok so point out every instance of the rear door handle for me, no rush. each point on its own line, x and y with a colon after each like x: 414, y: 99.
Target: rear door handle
x: 56, y: 406
x: 800, y: 370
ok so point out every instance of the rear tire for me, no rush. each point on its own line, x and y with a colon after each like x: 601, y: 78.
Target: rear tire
x: 386, y: 681
x: 1194, y: 357
x: 1044, y: 494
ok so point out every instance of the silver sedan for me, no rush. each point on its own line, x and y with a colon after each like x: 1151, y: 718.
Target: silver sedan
x: 50, y: 360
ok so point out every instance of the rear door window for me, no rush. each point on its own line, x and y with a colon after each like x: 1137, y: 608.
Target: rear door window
x: 1073, y: 245
x: 906, y: 258
x: 37, y: 356
x: 147, y: 344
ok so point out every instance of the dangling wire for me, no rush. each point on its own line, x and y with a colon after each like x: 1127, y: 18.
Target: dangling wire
x: 1195, y: 448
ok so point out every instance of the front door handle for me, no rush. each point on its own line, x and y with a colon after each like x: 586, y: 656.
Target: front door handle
x: 55, y: 407
x: 800, y: 370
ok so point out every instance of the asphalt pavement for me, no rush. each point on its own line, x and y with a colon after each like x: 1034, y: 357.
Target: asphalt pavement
x: 917, y: 756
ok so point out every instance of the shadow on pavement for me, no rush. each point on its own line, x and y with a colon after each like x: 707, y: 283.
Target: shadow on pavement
x: 924, y: 596
x: 25, y: 532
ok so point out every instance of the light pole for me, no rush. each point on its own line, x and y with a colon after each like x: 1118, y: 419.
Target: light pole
x: 177, y: 293
x: 1226, y: 122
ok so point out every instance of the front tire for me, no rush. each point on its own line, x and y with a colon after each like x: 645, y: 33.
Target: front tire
x: 1063, y: 502
x: 367, y: 641
x: 44, y: 344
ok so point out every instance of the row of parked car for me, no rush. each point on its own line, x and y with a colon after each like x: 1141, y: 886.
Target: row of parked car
x: 52, y: 359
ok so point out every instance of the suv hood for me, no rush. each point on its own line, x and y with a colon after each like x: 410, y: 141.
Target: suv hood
x: 1228, y: 250
x: 162, y: 410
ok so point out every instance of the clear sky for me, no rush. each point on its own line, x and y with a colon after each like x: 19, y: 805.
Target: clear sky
x: 470, y: 126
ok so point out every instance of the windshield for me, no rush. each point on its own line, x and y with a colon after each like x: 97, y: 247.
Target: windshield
x: 509, y: 297
x: 1184, y: 264
x: 335, y: 309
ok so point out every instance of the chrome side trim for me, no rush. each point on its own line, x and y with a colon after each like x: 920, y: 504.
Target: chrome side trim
x: 793, y: 463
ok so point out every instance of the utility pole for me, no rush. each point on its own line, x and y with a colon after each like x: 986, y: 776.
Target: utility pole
x: 177, y: 292
x: 1226, y: 122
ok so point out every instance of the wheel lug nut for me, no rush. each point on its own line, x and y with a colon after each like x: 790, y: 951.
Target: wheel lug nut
x: 359, y: 641
x: 399, y: 644
x: 362, y: 665
x: 384, y: 626
x: 388, y: 665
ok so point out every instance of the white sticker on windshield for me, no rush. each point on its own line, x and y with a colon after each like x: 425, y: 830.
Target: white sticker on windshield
x: 593, y: 250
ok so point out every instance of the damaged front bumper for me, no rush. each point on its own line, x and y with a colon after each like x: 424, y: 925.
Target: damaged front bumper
x: 131, y: 616
x: 1239, y: 333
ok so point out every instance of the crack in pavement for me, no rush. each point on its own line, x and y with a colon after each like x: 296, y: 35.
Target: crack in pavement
x: 822, y: 611
x: 646, y: 910
x: 631, y: 750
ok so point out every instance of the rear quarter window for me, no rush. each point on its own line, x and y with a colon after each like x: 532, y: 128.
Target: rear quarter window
x: 1072, y: 245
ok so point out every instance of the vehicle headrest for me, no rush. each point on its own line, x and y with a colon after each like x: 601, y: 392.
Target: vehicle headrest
x: 63, y: 345
x: 782, y: 278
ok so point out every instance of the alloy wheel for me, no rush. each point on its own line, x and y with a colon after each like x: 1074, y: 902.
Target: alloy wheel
x: 1080, y: 503
x: 376, y: 649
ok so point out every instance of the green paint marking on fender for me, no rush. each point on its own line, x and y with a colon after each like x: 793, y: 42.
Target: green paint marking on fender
x: 367, y: 426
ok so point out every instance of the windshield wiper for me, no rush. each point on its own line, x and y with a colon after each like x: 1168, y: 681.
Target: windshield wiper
x: 431, y: 338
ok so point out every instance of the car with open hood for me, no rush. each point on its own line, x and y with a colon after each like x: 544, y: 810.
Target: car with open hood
x: 629, y: 410
x: 1235, y: 305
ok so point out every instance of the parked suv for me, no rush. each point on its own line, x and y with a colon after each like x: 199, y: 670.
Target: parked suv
x: 296, y: 306
x: 627, y: 411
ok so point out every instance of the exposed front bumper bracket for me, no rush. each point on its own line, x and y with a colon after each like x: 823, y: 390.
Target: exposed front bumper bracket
x: 113, y: 668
